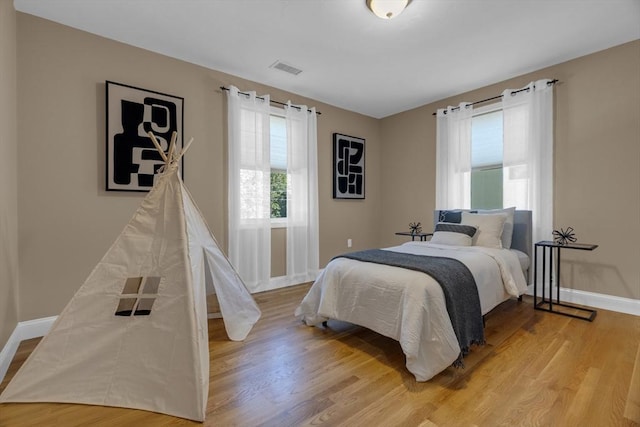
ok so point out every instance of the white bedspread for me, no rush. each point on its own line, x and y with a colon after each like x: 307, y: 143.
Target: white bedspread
x: 407, y: 305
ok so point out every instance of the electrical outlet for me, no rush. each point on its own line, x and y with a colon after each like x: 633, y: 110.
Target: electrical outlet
x: 349, y: 243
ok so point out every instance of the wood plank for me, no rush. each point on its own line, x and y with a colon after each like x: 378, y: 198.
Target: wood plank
x: 537, y: 369
x: 632, y: 407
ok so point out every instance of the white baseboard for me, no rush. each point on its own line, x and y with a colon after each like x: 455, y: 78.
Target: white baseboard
x: 285, y: 281
x: 23, y: 331
x: 7, y: 353
x: 592, y: 299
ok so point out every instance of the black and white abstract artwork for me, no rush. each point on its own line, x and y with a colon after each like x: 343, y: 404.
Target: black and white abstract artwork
x: 348, y: 167
x: 132, y: 159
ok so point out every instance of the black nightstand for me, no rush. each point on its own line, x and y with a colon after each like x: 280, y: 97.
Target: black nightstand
x: 547, y: 303
x: 422, y: 236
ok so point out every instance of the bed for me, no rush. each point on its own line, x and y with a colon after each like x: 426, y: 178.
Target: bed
x: 402, y: 302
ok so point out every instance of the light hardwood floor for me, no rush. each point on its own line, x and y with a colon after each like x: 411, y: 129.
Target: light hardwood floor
x: 536, y: 369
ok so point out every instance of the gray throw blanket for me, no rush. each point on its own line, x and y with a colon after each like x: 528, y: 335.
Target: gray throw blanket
x: 457, y: 283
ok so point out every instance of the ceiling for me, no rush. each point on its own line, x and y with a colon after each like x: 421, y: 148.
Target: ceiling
x: 350, y: 58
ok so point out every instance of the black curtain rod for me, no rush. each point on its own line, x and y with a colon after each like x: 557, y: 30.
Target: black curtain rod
x: 549, y: 83
x: 272, y: 101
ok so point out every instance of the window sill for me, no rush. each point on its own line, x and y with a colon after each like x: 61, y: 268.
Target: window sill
x: 278, y: 223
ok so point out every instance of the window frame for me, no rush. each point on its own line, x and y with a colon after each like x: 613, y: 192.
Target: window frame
x: 138, y: 292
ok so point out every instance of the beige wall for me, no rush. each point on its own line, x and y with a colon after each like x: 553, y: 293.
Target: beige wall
x: 597, y: 166
x: 8, y: 174
x: 68, y: 221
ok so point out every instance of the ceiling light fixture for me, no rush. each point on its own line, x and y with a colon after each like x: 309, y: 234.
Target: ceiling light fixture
x: 387, y: 9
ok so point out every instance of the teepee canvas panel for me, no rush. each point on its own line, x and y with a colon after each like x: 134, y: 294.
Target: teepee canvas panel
x: 135, y: 334
x: 239, y: 310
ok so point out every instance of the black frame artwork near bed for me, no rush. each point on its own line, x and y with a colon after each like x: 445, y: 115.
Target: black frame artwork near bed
x: 131, y: 158
x: 348, y: 167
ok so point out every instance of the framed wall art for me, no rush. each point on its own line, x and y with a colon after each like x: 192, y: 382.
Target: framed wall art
x: 348, y: 167
x: 132, y: 159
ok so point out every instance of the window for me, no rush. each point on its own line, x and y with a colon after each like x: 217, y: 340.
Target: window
x: 255, y: 126
x: 527, y: 156
x: 138, y: 296
x: 279, y: 180
x: 279, y: 186
x: 486, y: 159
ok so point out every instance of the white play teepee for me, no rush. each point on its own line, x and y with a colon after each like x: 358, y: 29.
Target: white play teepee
x: 135, y: 334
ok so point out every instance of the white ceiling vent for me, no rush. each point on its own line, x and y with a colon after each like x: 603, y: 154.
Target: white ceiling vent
x: 279, y: 65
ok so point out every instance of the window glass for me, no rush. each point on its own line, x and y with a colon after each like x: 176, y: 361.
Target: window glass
x: 486, y: 160
x: 279, y: 187
x: 125, y: 306
x: 132, y: 285
x: 151, y: 285
x: 144, y: 307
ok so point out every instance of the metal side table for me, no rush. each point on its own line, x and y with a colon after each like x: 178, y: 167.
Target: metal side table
x: 422, y: 236
x: 547, y: 303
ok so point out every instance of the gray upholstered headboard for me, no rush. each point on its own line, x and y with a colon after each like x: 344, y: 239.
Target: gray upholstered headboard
x: 522, y: 231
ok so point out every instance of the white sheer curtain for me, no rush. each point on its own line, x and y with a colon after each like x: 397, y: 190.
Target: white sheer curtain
x: 453, y: 157
x: 528, y: 154
x: 302, y: 207
x: 249, y: 187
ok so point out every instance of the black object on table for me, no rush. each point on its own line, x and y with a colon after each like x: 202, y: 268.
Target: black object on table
x: 549, y: 246
x: 422, y: 236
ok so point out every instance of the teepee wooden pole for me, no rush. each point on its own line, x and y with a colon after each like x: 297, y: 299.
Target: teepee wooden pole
x: 157, y: 144
x: 186, y: 147
x: 172, y: 146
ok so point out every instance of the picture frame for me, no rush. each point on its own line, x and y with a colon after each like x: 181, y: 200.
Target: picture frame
x: 348, y: 167
x: 132, y: 160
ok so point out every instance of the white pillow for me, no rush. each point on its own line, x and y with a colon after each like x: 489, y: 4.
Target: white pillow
x: 507, y: 231
x: 489, y: 228
x: 453, y: 234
